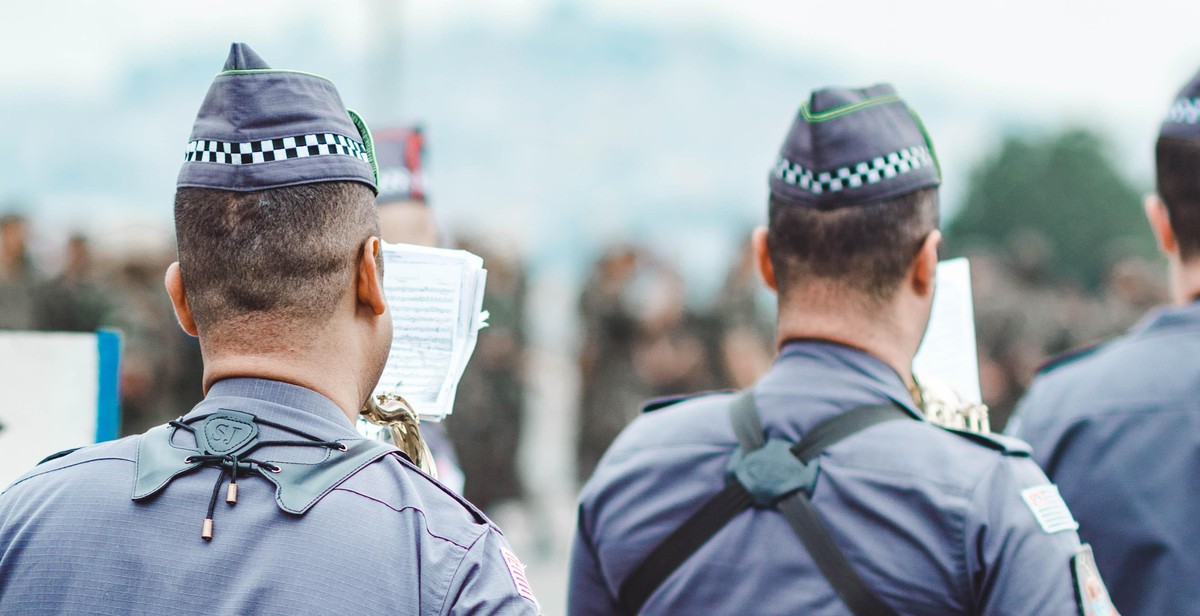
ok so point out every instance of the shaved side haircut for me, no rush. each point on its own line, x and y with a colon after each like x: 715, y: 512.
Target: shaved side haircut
x: 866, y: 248
x: 1178, y: 167
x: 287, y: 254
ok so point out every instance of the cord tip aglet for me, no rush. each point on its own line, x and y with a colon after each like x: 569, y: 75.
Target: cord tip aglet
x: 231, y: 494
x: 206, y: 531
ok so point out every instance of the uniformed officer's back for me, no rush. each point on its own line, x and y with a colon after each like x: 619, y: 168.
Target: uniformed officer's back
x: 822, y: 490
x: 262, y: 499
x: 909, y: 496
x: 386, y: 540
x: 1118, y: 425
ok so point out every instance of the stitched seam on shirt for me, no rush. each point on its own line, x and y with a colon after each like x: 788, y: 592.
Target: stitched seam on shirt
x: 52, y: 470
x: 446, y: 596
x: 424, y: 520
x: 994, y: 468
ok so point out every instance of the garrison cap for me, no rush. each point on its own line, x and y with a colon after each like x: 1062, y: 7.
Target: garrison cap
x: 1183, y: 119
x: 401, y: 155
x: 261, y: 128
x: 853, y: 147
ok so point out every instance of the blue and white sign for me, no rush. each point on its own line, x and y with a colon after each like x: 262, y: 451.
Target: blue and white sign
x: 57, y: 391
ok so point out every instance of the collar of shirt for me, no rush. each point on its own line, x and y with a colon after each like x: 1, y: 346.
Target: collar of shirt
x: 291, y: 405
x: 1168, y: 320
x: 813, y: 380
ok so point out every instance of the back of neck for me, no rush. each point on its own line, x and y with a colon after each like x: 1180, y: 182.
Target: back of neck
x: 878, y: 335
x: 311, y: 367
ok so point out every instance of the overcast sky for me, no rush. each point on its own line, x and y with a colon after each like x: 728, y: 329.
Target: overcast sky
x: 1079, y: 57
x: 1113, y: 66
x: 1105, y: 63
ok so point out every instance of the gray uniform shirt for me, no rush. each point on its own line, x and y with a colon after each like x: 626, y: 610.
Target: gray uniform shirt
x: 388, y: 540
x: 1118, y: 427
x: 934, y: 522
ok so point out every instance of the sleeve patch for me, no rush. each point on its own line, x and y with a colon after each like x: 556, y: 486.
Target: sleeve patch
x: 517, y: 570
x: 1091, y: 592
x: 1049, y: 509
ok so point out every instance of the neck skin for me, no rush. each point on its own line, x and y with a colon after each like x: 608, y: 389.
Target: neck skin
x: 891, y: 330
x: 340, y: 357
x: 879, y: 333
x: 306, y: 364
x: 1184, y: 275
x: 1184, y: 280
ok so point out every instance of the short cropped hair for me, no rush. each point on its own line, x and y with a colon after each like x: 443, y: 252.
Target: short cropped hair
x: 287, y: 253
x: 866, y: 249
x: 1178, y: 168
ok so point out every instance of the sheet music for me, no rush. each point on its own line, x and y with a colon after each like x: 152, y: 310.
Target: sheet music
x: 435, y: 297
x: 948, y: 352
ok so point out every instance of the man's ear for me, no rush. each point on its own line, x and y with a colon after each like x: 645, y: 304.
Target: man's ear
x: 369, y: 281
x: 183, y: 313
x: 924, y: 267
x: 762, y: 257
x: 1160, y: 224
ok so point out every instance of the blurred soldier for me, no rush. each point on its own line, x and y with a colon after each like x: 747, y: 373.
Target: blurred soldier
x: 160, y: 371
x: 610, y: 388
x: 18, y: 278
x: 279, y: 275
x: 673, y: 351
x: 1118, y: 425
x: 821, y: 490
x: 73, y: 301
x: 744, y: 349
x: 405, y: 218
x: 487, y: 422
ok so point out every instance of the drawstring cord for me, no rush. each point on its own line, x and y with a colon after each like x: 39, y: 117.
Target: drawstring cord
x: 233, y: 465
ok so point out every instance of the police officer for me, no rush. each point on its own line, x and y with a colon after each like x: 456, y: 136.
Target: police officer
x: 1117, y: 426
x: 263, y: 499
x: 822, y: 490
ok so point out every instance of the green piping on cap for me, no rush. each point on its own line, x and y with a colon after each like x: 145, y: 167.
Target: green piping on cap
x: 830, y: 114
x: 256, y: 71
x: 368, y: 143
x: 937, y: 163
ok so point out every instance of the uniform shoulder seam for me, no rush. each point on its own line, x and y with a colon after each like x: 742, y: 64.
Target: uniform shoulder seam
x: 47, y: 471
x: 483, y: 528
x: 480, y: 517
x: 663, y: 402
x: 1070, y: 356
x: 1006, y: 446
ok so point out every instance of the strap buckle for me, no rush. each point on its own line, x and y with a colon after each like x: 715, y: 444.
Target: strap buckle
x: 772, y: 472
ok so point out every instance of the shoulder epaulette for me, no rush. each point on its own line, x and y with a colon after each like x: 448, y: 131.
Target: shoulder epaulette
x: 1006, y: 445
x: 1067, y: 357
x: 55, y: 456
x: 663, y: 402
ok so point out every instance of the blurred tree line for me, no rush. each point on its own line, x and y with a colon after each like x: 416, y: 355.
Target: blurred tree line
x: 1060, y: 194
x: 1061, y: 255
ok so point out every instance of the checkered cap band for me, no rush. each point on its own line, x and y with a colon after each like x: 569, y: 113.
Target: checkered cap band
x: 853, y: 176
x: 270, y: 150
x: 1185, y: 111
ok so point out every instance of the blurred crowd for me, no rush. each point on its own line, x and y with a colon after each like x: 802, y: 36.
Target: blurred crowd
x: 641, y: 340
x: 639, y: 335
x: 1025, y: 316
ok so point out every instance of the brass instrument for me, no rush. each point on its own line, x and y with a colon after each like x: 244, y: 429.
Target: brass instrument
x: 944, y: 407
x: 393, y: 412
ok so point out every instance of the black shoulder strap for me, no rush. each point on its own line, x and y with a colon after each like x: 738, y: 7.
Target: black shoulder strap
x: 734, y: 499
